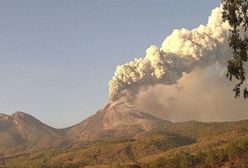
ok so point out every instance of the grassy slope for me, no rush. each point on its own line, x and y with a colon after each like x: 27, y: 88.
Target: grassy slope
x: 189, y: 144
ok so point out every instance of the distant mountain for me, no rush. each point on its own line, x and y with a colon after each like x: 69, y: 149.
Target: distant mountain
x: 22, y: 132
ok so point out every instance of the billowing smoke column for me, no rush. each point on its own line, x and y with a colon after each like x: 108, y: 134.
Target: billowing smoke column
x: 180, y: 53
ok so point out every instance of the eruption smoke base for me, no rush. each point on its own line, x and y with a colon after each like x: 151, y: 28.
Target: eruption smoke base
x: 202, y: 95
x: 180, y: 53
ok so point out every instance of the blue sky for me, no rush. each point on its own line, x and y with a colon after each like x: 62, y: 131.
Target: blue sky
x: 57, y: 56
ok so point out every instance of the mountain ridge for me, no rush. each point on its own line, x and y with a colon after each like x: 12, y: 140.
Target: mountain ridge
x: 187, y: 144
x: 21, y: 132
x: 118, y: 132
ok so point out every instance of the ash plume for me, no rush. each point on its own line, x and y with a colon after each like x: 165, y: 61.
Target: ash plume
x: 180, y: 53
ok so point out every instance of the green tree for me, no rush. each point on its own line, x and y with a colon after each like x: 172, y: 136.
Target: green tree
x: 235, y: 13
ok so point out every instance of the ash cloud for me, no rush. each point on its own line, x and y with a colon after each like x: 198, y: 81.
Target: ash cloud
x: 180, y: 53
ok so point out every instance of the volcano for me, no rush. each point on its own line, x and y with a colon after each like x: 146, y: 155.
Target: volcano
x: 115, y: 120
